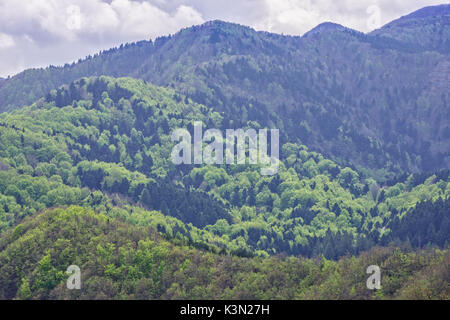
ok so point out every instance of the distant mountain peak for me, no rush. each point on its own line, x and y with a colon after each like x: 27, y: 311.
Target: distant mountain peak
x: 424, y: 13
x: 431, y: 11
x: 220, y: 25
x: 216, y: 28
x: 427, y: 27
x: 326, y: 27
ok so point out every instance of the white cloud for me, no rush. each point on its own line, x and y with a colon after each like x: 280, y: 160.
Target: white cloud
x: 142, y: 19
x: 55, y: 32
x: 6, y: 41
x: 69, y: 20
x: 290, y: 16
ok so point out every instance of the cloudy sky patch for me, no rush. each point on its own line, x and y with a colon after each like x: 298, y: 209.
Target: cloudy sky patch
x: 36, y: 33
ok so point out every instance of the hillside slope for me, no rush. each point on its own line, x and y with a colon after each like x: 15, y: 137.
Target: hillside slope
x: 105, y: 144
x: 119, y: 261
x: 429, y: 27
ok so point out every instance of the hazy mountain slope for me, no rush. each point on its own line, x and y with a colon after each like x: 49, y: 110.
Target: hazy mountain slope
x: 428, y: 27
x: 340, y: 92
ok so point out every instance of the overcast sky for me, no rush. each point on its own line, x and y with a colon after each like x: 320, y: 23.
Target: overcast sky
x: 35, y: 33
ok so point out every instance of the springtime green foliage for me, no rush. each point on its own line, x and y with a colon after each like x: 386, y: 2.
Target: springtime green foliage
x: 119, y: 261
x: 105, y: 143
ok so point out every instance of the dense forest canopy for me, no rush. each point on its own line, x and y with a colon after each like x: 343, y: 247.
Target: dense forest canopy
x: 129, y: 262
x: 100, y: 141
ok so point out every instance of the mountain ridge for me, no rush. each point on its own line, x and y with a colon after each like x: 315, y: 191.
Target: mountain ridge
x: 327, y: 27
x: 429, y: 27
x: 304, y: 83
x: 430, y: 11
x: 420, y: 13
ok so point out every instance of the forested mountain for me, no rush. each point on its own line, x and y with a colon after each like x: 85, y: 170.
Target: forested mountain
x: 305, y: 86
x: 86, y: 175
x: 120, y: 261
x: 326, y: 27
x: 428, y: 27
x: 105, y: 143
